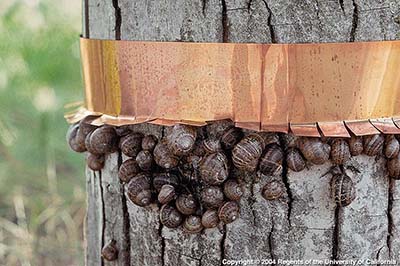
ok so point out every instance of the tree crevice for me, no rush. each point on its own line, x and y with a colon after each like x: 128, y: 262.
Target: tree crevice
x: 126, y: 220
x: 336, y: 234
x: 390, y: 217
x: 269, y: 23
x: 354, y: 26
x: 118, y: 19
x: 225, y: 26
x: 103, y: 210
x: 222, y: 244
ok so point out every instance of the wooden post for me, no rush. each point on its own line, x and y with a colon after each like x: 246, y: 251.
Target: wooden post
x: 305, y: 224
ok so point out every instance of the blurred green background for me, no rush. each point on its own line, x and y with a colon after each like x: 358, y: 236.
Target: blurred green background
x: 42, y: 184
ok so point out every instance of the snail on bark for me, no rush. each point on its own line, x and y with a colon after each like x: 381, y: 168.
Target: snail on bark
x: 373, y: 144
x: 295, y: 160
x: 212, y: 197
x: 229, y: 212
x: 170, y: 217
x: 214, y: 169
x: 103, y: 140
x: 110, y: 252
x: 163, y: 157
x: 145, y: 160
x: 343, y: 190
x: 186, y: 204
x: 161, y: 179
x: 139, y: 189
x: 314, y: 150
x: 95, y: 162
x: 181, y: 139
x: 192, y: 224
x: 340, y: 151
x: 356, y: 145
x: 212, y: 145
x: 131, y: 144
x: 72, y: 139
x: 166, y: 194
x: 233, y: 190
x: 392, y: 147
x: 246, y: 154
x: 230, y: 137
x: 393, y: 166
x: 149, y: 142
x: 271, y: 161
x: 210, y: 219
x: 273, y: 190
x: 128, y: 170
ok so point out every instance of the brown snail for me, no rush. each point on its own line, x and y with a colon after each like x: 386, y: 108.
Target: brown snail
x: 271, y: 138
x: 271, y: 161
x: 161, y: 179
x: 373, y: 144
x: 186, y: 204
x: 210, y: 219
x: 145, y: 160
x: 131, y: 144
x: 393, y: 166
x: 139, y: 191
x: 340, y: 151
x: 246, y: 154
x: 230, y: 137
x: 343, y: 190
x: 392, y: 147
x: 289, y: 140
x: 110, y: 252
x: 273, y: 190
x: 212, y: 197
x: 84, y: 129
x: 95, y: 162
x: 192, y: 224
x: 170, y: 217
x: 314, y: 150
x: 181, y: 139
x: 212, y: 145
x: 229, y: 212
x: 295, y: 160
x: 72, y: 139
x: 163, y: 157
x: 356, y: 145
x: 123, y: 130
x: 149, y: 142
x: 233, y: 190
x: 128, y: 170
x: 214, y: 168
x: 103, y: 140
x: 166, y: 194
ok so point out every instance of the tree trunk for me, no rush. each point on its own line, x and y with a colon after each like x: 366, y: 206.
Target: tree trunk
x: 305, y: 224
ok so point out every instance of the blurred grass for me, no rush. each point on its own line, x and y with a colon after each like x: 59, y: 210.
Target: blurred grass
x: 42, y: 185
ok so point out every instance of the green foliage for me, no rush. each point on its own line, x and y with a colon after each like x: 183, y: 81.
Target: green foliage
x: 42, y: 185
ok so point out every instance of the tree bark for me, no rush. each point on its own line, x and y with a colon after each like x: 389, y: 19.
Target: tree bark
x: 305, y: 224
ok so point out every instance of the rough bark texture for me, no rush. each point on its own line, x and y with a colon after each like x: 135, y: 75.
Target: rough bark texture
x: 305, y: 224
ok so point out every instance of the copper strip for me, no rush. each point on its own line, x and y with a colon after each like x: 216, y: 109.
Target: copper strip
x: 396, y: 121
x: 361, y: 128
x: 334, y: 129
x: 385, y: 125
x: 305, y: 130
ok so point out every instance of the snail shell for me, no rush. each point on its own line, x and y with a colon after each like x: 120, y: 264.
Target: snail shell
x: 392, y: 146
x: 393, y: 166
x: 110, y: 252
x: 289, y: 141
x: 145, y: 160
x: 270, y: 138
x: 212, y: 145
x: 163, y: 157
x: 229, y: 212
x: 72, y: 139
x: 271, y: 161
x: 314, y: 150
x: 104, y: 140
x: 210, y: 219
x: 186, y: 204
x: 139, y: 191
x: 273, y: 190
x: 84, y: 129
x: 373, y: 144
x: 192, y: 224
x: 343, y: 190
x: 181, y: 139
x: 167, y: 194
x: 356, y: 145
x: 247, y: 152
x: 170, y: 217
x: 212, y: 197
x: 214, y: 168
x: 340, y: 151
x: 123, y: 130
x: 95, y: 162
x: 128, y: 170
x: 230, y: 137
x: 131, y: 144
x: 149, y: 142
x: 233, y: 190
x: 161, y: 179
x: 295, y: 160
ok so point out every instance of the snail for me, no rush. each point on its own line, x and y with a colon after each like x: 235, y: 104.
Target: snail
x: 271, y: 138
x: 163, y: 157
x: 373, y: 144
x: 392, y: 146
x: 343, y: 190
x: 295, y: 160
x: 161, y: 179
x: 181, y: 139
x: 84, y: 129
x: 271, y: 161
x: 340, y: 151
x: 186, y: 204
x: 72, y: 139
x: 229, y: 212
x: 123, y: 130
x: 145, y: 160
x: 192, y: 224
x: 393, y: 166
x: 273, y: 190
x: 149, y: 142
x: 356, y: 145
x: 131, y: 144
x: 128, y: 170
x: 170, y: 217
x: 212, y: 145
x: 212, y: 197
x: 210, y: 219
x: 314, y: 150
x: 95, y: 162
x: 214, y: 168
x: 233, y: 190
x: 166, y: 194
x: 289, y: 140
x: 103, y: 140
x: 230, y: 137
x: 246, y: 154
x: 110, y: 252
x: 139, y: 191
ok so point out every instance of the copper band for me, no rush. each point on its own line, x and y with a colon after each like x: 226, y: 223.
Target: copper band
x: 259, y: 86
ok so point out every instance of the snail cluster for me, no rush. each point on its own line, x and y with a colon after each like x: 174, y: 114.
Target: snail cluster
x: 188, y: 171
